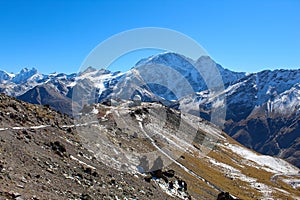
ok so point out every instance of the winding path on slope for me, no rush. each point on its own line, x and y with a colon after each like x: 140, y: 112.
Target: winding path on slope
x: 44, y: 126
x: 142, y: 129
x: 177, y: 163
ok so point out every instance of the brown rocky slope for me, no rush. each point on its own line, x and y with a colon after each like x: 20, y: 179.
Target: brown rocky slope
x: 47, y: 155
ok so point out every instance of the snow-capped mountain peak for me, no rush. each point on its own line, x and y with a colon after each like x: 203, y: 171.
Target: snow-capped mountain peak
x: 198, y: 74
x: 4, y: 76
x: 24, y: 75
x: 168, y: 58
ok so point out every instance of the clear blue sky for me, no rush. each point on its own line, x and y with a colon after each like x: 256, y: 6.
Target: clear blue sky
x: 56, y: 35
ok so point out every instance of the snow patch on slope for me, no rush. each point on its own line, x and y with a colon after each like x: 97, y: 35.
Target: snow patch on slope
x: 268, y: 163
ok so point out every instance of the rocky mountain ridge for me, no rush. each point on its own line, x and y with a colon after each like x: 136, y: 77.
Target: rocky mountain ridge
x: 42, y: 157
x: 262, y: 109
x: 47, y: 155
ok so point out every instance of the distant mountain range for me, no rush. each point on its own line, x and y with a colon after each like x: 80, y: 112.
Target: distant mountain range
x: 262, y: 109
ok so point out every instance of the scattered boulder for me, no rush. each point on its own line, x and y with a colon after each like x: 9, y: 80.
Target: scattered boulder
x: 225, y: 196
x: 1, y: 167
x: 182, y: 185
x: 171, y: 185
x: 59, y: 148
x: 112, y: 181
x: 86, y: 197
x: 148, y: 178
x: 14, y: 194
x: 159, y: 174
x: 170, y: 173
x: 89, y: 171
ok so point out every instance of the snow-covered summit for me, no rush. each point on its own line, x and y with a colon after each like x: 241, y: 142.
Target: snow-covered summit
x: 4, y: 76
x: 279, y: 89
x: 24, y: 75
x: 259, y: 108
x: 198, y: 73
